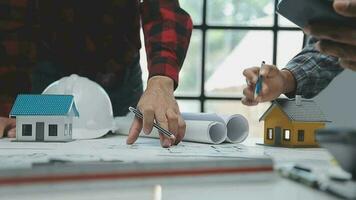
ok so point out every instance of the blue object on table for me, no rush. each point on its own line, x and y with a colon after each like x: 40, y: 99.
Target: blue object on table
x: 258, y: 86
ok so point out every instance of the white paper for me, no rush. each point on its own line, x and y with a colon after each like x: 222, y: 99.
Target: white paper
x: 114, y: 148
x: 236, y: 125
x: 201, y: 127
x: 213, y: 132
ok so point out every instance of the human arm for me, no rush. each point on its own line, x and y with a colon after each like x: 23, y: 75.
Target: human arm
x: 307, y: 74
x: 167, y: 30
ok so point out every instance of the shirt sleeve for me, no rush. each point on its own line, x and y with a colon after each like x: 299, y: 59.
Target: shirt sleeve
x: 312, y: 70
x: 167, y: 30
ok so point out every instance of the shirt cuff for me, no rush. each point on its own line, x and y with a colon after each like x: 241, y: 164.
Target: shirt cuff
x: 300, y: 77
x: 164, y: 67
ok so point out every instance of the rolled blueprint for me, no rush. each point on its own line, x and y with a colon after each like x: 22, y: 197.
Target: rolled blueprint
x: 212, y: 132
x: 236, y: 125
x: 201, y: 127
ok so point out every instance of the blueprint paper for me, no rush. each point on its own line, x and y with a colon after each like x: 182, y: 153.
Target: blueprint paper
x: 201, y: 127
x: 113, y: 148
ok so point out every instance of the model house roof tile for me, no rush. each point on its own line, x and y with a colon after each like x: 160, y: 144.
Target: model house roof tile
x: 307, y: 111
x: 45, y: 105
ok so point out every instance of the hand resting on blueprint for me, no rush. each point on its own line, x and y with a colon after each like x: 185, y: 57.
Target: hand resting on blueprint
x: 158, y: 103
x: 337, y: 40
x: 7, y: 127
x: 275, y: 82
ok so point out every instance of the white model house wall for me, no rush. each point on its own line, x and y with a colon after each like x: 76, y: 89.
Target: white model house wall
x: 60, y: 121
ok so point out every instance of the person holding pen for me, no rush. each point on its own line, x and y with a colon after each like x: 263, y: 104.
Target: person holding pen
x: 330, y: 49
x: 44, y: 40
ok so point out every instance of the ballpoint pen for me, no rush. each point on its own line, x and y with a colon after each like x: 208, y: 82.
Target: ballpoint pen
x: 258, y: 86
x: 156, y: 125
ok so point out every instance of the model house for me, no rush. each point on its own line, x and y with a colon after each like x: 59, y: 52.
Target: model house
x: 292, y: 123
x: 44, y: 117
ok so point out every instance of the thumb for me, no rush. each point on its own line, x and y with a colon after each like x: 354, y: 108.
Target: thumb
x: 269, y: 71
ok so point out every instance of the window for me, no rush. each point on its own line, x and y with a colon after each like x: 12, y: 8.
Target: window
x: 70, y: 129
x: 229, y: 36
x: 270, y: 133
x: 286, y: 134
x: 300, y: 135
x: 65, y: 129
x: 26, y: 129
x: 53, y: 130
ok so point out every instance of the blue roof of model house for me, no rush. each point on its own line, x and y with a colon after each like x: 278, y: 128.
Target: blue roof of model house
x: 44, y: 105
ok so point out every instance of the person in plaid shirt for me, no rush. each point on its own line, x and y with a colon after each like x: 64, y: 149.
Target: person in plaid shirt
x: 330, y: 49
x: 44, y: 40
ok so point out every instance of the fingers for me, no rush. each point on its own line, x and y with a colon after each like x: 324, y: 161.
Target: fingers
x: 7, y: 125
x: 348, y: 64
x: 3, y: 124
x: 269, y: 71
x: 172, y: 119
x: 249, y: 99
x: 251, y: 74
x: 148, y: 118
x: 249, y: 102
x: 11, y: 133
x: 262, y: 97
x: 339, y: 50
x: 163, y: 122
x: 345, y: 7
x: 337, y: 33
x: 135, y: 130
x: 181, y: 129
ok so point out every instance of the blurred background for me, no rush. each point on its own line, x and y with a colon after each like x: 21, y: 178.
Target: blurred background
x: 229, y: 36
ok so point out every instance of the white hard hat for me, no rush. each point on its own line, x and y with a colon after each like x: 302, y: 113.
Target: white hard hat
x: 93, y: 104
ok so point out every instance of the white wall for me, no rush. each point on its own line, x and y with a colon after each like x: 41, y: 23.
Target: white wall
x: 338, y: 100
x: 60, y: 121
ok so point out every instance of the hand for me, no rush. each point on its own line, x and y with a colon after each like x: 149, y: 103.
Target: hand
x: 158, y: 103
x: 7, y: 127
x: 337, y: 40
x: 275, y: 82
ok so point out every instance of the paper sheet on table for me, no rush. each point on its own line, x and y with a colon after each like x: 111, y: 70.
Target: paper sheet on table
x: 201, y: 127
x: 113, y: 148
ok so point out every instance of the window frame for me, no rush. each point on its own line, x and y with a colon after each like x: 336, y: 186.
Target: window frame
x: 24, y: 129
x: 52, y: 127
x: 301, y: 132
x: 204, y: 28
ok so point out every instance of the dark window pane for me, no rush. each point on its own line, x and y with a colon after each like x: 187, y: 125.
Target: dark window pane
x: 26, y: 130
x: 52, y: 130
x: 240, y: 12
x: 300, y: 135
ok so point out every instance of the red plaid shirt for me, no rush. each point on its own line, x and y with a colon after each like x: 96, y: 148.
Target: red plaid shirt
x: 101, y: 38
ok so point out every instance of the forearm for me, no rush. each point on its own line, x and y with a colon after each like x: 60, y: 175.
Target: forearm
x: 167, y: 30
x: 312, y: 71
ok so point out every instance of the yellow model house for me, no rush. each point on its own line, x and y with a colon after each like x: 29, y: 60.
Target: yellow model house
x: 292, y: 123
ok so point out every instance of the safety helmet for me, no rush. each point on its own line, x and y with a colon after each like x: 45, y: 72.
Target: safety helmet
x: 93, y: 104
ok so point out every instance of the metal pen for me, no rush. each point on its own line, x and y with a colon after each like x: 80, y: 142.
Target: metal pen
x: 258, y: 86
x: 156, y: 125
